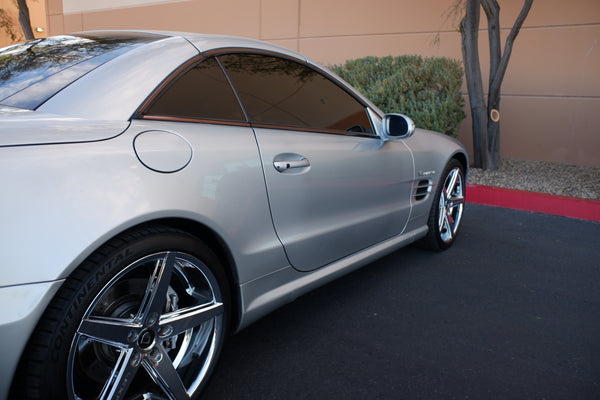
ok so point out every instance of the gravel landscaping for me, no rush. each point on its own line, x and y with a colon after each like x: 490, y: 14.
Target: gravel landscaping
x: 543, y: 177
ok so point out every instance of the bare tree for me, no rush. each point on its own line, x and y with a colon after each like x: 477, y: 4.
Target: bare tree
x: 486, y: 117
x: 7, y: 23
x: 24, y: 20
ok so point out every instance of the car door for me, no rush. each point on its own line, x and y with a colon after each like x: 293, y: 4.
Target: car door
x: 223, y: 185
x: 334, y: 186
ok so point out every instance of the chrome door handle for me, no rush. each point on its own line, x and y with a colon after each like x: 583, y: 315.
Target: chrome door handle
x: 282, y: 166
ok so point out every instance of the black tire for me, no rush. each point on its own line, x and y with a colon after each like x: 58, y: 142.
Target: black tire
x: 447, y: 208
x: 145, y: 314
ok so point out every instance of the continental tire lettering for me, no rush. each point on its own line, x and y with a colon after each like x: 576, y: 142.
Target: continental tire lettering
x: 77, y: 307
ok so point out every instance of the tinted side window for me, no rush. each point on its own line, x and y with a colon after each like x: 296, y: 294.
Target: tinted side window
x: 201, y: 93
x: 277, y: 91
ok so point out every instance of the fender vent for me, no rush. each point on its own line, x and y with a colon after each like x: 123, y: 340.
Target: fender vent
x: 422, y: 189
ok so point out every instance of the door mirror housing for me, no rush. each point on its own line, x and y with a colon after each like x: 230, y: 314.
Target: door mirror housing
x: 397, y: 126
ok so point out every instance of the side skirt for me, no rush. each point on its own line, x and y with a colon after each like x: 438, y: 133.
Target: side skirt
x: 267, y: 293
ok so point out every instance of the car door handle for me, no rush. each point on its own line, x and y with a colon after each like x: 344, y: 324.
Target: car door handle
x: 284, y: 165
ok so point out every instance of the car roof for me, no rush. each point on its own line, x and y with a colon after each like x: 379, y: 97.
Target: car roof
x: 208, y: 42
x: 163, y: 54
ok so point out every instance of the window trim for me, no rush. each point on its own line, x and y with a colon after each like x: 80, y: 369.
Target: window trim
x: 142, y: 110
x: 314, y: 130
x: 195, y: 120
x: 173, y: 77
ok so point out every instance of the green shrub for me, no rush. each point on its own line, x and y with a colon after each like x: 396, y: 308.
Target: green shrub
x: 425, y: 89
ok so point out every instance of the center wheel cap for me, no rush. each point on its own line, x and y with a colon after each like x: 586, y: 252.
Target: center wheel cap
x: 146, y: 340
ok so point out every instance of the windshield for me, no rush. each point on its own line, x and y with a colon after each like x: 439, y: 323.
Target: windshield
x: 34, y: 71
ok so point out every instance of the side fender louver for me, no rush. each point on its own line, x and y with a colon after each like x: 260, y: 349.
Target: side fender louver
x: 422, y: 189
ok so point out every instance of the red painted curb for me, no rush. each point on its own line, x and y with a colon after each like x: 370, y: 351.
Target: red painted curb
x: 565, y: 206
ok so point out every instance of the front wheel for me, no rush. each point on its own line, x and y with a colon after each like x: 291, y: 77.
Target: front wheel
x: 143, y: 318
x: 447, y: 209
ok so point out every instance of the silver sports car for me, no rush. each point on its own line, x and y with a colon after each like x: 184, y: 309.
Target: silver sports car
x: 161, y: 190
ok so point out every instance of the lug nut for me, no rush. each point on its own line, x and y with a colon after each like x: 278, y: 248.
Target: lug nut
x: 152, y: 318
x: 136, y: 359
x: 132, y: 336
x: 165, y: 331
x: 155, y: 356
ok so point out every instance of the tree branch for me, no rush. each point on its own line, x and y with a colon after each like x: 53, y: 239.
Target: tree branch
x: 496, y: 80
x: 492, y: 12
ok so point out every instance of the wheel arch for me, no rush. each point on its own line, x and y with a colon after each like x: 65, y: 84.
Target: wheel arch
x: 464, y: 160
x: 200, y: 231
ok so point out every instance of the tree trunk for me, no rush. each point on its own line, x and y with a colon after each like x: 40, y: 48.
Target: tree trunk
x: 486, y: 119
x: 492, y: 13
x: 470, y: 34
x: 24, y: 20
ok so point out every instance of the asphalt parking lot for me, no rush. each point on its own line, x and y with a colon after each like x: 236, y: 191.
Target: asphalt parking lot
x: 512, y: 311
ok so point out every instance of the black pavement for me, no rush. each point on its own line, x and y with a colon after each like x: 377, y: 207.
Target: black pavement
x: 512, y: 311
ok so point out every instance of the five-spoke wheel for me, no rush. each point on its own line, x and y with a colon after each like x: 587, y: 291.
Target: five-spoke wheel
x: 145, y: 319
x: 452, y: 198
x: 446, y: 211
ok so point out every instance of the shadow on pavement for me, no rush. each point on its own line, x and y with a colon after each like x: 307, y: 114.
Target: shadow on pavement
x: 511, y: 311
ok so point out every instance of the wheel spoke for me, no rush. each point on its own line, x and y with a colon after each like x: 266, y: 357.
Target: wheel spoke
x: 454, y: 203
x: 451, y: 185
x: 442, y: 212
x: 109, y: 331
x: 446, y: 232
x: 156, y: 291
x: 457, y: 201
x: 121, y: 376
x: 181, y: 320
x: 444, y: 225
x: 165, y: 375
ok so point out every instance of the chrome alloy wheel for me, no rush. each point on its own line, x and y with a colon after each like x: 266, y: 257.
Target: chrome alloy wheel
x: 452, y: 199
x: 152, y: 332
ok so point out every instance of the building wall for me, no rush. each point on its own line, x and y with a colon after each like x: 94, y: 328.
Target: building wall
x: 551, y: 92
x: 37, y: 15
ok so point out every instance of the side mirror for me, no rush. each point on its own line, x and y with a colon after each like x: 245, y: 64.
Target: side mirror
x: 397, y: 126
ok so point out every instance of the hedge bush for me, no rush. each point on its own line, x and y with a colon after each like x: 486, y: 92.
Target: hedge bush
x: 425, y: 89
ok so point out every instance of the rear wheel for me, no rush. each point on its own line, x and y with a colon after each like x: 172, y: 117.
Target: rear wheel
x: 447, y: 209
x: 143, y: 318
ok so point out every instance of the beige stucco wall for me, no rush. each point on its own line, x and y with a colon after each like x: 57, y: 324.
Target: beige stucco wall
x: 37, y: 15
x: 551, y: 93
